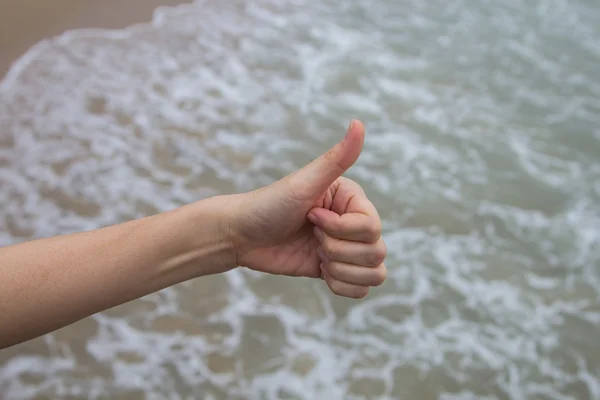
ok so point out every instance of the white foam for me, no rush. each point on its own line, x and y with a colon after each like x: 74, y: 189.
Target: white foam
x: 490, y: 209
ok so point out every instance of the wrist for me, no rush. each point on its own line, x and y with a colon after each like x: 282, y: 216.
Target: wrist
x: 201, y: 237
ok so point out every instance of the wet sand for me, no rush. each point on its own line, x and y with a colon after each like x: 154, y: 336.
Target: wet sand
x: 23, y: 23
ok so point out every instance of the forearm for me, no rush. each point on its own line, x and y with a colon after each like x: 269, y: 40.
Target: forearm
x: 49, y: 283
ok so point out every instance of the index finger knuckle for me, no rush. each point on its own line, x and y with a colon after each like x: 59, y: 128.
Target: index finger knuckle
x: 372, y: 231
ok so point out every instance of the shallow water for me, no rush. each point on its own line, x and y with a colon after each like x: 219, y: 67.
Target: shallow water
x: 482, y: 156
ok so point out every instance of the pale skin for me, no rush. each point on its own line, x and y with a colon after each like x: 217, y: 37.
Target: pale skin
x: 312, y: 223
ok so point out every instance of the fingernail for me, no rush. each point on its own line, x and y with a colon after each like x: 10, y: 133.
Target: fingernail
x: 351, y: 125
x: 318, y: 234
x: 312, y: 218
x: 322, y: 271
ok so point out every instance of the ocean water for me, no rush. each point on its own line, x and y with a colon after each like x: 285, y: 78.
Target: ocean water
x: 482, y: 156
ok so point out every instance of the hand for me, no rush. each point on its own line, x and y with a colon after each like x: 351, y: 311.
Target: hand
x: 315, y: 223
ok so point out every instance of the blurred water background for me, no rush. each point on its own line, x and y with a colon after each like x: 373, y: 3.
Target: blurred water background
x: 482, y: 155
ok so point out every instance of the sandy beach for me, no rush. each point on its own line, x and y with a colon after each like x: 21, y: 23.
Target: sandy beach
x: 23, y: 23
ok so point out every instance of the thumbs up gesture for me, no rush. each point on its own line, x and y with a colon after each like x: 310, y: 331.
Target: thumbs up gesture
x: 314, y: 223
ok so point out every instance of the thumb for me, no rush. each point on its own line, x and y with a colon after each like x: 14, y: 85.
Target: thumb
x: 317, y: 176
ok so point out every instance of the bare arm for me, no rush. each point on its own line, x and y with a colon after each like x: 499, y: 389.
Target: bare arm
x: 49, y: 283
x: 311, y: 223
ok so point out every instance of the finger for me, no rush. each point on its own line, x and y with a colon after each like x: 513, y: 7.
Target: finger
x: 360, y: 203
x: 350, y: 226
x: 355, y: 274
x: 318, y: 175
x: 358, y: 253
x: 345, y: 289
x: 321, y: 270
x: 351, y: 198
